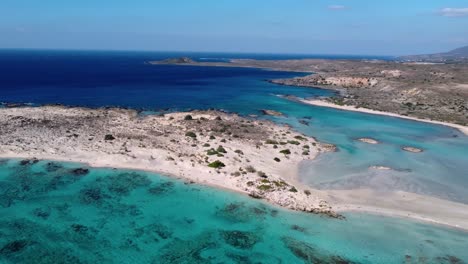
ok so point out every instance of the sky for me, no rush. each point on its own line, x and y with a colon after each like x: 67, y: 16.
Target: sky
x: 361, y: 27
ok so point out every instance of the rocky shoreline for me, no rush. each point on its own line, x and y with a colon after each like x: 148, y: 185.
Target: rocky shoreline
x: 250, y: 156
x: 426, y: 91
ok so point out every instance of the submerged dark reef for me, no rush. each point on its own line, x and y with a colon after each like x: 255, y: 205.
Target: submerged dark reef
x: 63, y: 213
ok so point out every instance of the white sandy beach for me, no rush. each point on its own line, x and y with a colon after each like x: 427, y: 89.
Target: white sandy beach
x: 159, y: 144
x: 322, y: 103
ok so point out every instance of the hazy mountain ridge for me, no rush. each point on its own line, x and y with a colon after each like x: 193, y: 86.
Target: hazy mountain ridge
x: 456, y: 55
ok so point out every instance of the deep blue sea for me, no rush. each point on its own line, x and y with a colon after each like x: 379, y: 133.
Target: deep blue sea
x: 49, y: 215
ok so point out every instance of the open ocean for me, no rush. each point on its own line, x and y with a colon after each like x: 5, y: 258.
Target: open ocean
x: 50, y: 215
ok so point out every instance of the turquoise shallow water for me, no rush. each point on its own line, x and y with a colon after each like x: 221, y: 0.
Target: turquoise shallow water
x: 440, y: 171
x: 52, y: 213
x: 52, y: 216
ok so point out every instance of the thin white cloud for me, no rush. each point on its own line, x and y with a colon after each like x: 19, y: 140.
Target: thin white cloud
x: 453, y: 12
x: 336, y: 7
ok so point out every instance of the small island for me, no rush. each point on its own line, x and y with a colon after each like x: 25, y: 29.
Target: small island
x: 255, y: 157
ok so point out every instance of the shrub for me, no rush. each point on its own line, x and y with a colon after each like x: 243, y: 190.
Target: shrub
x: 220, y: 149
x: 293, y: 189
x: 277, y: 159
x: 238, y: 151
x: 305, y: 153
x: 250, y: 169
x: 307, y: 192
x: 262, y: 174
x: 188, y: 117
x: 264, y: 187
x: 212, y: 137
x: 285, y: 151
x: 306, y: 146
x: 271, y: 142
x: 109, y: 137
x: 211, y: 152
x: 300, y: 137
x: 216, y: 164
x: 223, y: 140
x: 206, y: 145
x: 191, y: 134
x: 294, y: 142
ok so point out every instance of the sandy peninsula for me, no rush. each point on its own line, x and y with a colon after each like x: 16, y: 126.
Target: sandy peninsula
x: 463, y: 129
x: 250, y: 156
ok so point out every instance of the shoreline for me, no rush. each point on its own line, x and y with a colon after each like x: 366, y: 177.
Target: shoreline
x: 321, y: 103
x: 338, y: 207
x: 207, y: 147
x: 163, y: 145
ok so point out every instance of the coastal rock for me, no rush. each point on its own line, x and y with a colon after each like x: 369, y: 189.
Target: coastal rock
x: 412, y: 149
x: 380, y: 168
x: 181, y: 60
x: 328, y: 147
x: 271, y: 112
x: 368, y: 140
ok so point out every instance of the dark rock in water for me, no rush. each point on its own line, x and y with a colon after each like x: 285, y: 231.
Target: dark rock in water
x: 310, y: 254
x: 161, y: 188
x: 80, y: 171
x: 253, y: 258
x: 239, y: 212
x: 298, y: 228
x: 53, y: 167
x: 109, y: 137
x: 42, y: 212
x: 187, y: 251
x: 306, y: 123
x: 240, y: 239
x: 91, y: 195
x: 28, y: 162
x: 79, y: 228
x: 124, y: 183
x: 13, y: 247
x: 449, y: 260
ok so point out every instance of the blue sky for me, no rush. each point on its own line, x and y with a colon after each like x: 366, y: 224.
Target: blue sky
x: 390, y: 27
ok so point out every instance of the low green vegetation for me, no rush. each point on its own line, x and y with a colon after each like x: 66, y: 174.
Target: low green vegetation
x: 191, y: 134
x: 300, y: 138
x: 220, y: 149
x: 211, y: 152
x: 264, y: 187
x: 285, y: 152
x: 216, y: 164
x: 271, y: 142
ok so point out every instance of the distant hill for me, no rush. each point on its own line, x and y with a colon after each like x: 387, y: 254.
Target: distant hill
x: 456, y: 55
